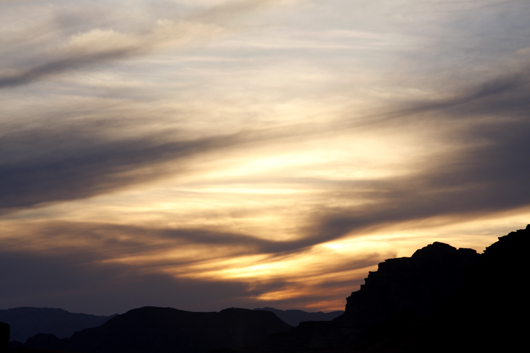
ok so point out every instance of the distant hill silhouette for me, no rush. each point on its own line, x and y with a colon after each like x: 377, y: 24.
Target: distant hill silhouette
x: 294, y: 317
x: 168, y: 330
x: 26, y: 322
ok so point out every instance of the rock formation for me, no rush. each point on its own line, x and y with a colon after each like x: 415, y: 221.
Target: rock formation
x: 418, y: 283
x: 4, y: 337
x: 487, y: 313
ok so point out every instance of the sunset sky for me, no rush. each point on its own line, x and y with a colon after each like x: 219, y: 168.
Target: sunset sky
x: 204, y: 154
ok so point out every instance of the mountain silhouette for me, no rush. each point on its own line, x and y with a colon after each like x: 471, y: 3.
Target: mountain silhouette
x: 294, y: 317
x: 165, y: 330
x: 26, y: 322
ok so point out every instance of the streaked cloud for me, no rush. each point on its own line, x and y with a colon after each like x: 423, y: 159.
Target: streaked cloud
x: 98, y: 46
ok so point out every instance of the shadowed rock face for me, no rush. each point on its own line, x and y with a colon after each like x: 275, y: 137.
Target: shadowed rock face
x: 487, y: 313
x: 4, y: 337
x: 418, y: 283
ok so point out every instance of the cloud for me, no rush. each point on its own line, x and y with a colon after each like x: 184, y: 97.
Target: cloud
x: 96, y: 47
x: 485, y: 175
x: 68, y: 281
x: 67, y: 163
x: 72, y: 157
x: 65, y: 263
x: 107, y: 242
x: 488, y: 123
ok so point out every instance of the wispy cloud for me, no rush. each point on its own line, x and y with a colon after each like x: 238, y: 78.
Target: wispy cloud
x: 80, y: 164
x: 484, y: 176
x: 101, y: 260
x: 97, y: 46
x: 274, y: 158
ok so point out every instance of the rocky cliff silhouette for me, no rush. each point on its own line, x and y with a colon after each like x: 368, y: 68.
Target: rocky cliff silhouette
x: 410, y: 284
x: 441, y: 299
x: 490, y: 311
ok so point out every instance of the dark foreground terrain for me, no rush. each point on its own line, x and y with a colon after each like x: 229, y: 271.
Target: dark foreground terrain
x: 441, y: 299
x: 27, y: 322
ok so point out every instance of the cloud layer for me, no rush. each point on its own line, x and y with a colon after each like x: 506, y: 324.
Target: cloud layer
x: 247, y: 153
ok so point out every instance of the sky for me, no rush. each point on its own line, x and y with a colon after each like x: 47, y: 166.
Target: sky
x: 204, y: 154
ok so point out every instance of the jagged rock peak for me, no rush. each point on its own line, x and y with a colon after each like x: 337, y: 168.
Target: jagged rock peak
x: 442, y: 249
x: 437, y: 246
x: 511, y: 247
